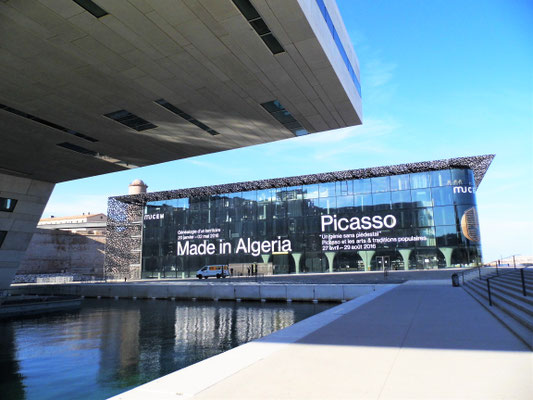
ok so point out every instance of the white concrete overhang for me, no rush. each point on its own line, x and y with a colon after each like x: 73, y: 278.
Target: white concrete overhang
x: 62, y: 69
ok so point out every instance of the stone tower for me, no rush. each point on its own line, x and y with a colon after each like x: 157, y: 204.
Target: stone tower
x: 137, y: 187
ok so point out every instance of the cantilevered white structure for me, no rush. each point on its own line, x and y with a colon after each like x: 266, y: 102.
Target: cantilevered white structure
x: 92, y: 87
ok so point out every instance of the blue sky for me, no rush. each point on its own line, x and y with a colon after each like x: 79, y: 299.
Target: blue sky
x: 439, y: 79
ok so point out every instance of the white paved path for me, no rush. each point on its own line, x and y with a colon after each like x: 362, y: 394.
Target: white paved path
x: 417, y: 341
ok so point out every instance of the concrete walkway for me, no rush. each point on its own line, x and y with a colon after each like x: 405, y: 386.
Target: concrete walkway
x: 420, y: 340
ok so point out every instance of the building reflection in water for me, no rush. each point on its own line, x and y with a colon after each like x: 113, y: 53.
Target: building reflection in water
x: 111, y: 346
x: 119, y: 346
x: 202, y: 331
x: 11, y: 380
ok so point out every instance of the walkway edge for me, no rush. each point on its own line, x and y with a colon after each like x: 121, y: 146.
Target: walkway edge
x: 191, y: 380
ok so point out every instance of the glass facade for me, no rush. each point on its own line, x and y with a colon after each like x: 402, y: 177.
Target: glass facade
x: 420, y: 220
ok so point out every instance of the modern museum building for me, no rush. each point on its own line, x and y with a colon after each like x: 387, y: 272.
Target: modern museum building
x: 411, y: 216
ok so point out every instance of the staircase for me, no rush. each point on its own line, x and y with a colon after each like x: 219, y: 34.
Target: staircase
x: 509, y: 305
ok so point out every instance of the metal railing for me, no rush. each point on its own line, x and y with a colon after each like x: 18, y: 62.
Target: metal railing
x: 522, y: 280
x: 478, y: 272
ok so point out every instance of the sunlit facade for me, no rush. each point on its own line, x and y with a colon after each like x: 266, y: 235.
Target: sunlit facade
x: 421, y: 220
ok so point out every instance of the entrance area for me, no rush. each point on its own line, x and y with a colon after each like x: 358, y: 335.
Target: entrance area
x: 383, y: 263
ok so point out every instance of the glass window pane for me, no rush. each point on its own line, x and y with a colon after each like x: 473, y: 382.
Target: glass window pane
x: 294, y: 192
x: 234, y: 195
x: 328, y: 205
x: 326, y: 189
x: 470, y: 177
x: 419, y: 180
x: 381, y: 201
x: 264, y: 195
x: 441, y: 178
x: 264, y: 211
x: 295, y: 226
x: 279, y: 194
x: 399, y: 182
x: 294, y: 208
x: 421, y: 197
x: 462, y: 177
x: 429, y: 233
x: 252, y: 195
x: 464, y: 195
x: 247, y: 9
x: 344, y: 201
x: 363, y: 202
x: 7, y: 205
x: 280, y: 209
x: 312, y: 225
x: 260, y: 27
x: 444, y: 215
x: 401, y: 199
x: 279, y: 227
x: 406, y: 219
x: 424, y: 217
x: 362, y: 186
x: 344, y: 188
x: 380, y: 184
x: 447, y: 236
x: 442, y: 196
x: 310, y: 191
x: 311, y: 207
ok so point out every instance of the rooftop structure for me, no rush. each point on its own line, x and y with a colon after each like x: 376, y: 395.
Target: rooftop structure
x: 74, y: 219
x: 84, y: 224
x: 137, y: 186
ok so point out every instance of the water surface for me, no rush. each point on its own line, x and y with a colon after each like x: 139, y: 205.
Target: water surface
x: 110, y: 346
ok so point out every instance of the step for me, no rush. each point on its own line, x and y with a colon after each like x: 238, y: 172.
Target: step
x: 512, y: 291
x: 513, y: 285
x: 519, y: 330
x: 520, y: 302
x: 514, y: 281
x: 515, y: 295
x: 512, y: 309
x: 528, y: 275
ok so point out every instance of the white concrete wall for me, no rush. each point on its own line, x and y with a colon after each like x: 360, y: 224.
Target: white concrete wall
x: 321, y: 30
x: 206, y: 291
x: 31, y: 196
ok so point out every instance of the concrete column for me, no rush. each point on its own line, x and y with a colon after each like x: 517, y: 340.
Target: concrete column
x: 405, y: 256
x: 20, y: 224
x: 297, y: 257
x: 330, y: 256
x: 447, y: 251
x: 366, y: 256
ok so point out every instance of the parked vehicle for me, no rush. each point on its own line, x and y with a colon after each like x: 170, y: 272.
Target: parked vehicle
x: 219, y: 271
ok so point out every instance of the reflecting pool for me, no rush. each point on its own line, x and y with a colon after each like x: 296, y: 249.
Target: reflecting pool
x: 110, y: 346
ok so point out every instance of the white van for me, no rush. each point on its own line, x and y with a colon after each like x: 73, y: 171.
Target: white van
x: 220, y: 271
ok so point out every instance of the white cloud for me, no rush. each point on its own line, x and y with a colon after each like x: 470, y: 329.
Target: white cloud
x: 355, y: 141
x: 378, y: 73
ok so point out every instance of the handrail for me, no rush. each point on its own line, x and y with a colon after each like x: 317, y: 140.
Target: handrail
x: 523, y: 281
x: 471, y: 271
x: 489, y: 291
